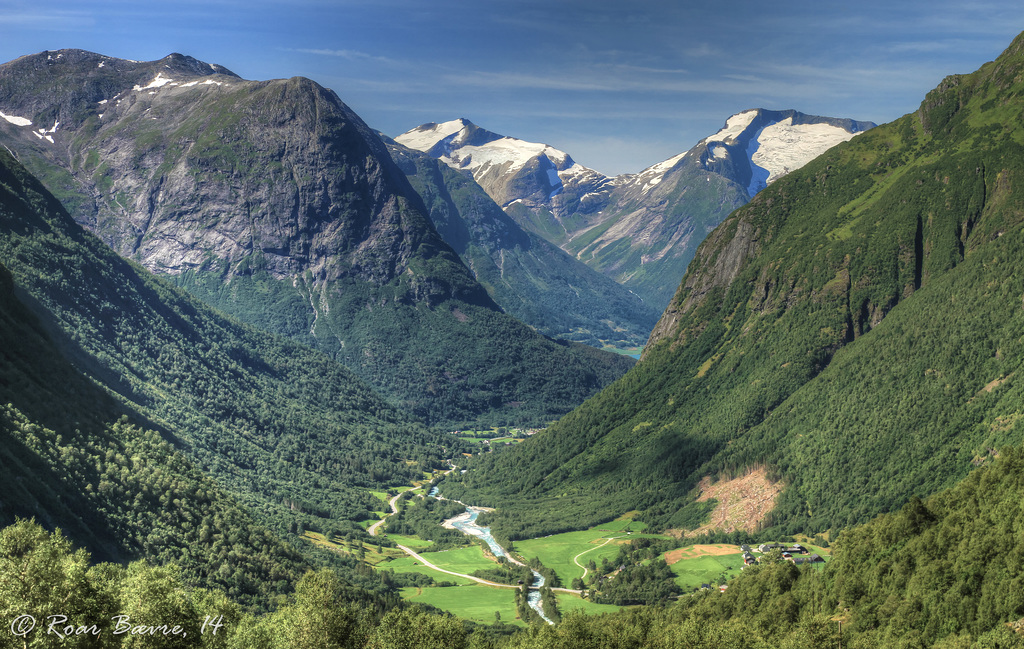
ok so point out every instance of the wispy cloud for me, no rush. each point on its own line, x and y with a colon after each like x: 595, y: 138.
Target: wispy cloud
x: 510, y: 80
x: 350, y: 55
x: 51, y: 20
x: 702, y: 51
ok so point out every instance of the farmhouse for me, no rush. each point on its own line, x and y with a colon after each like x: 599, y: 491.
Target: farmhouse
x: 795, y: 548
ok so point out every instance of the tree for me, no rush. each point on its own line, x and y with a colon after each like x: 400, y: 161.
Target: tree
x: 41, y: 575
x: 413, y: 629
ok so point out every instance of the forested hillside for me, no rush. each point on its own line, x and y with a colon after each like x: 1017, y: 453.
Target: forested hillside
x: 73, y: 458
x: 96, y: 350
x: 855, y: 329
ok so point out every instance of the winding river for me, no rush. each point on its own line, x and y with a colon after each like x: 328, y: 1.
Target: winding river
x: 466, y: 523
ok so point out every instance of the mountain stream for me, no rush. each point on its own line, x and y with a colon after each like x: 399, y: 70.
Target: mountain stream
x: 466, y: 523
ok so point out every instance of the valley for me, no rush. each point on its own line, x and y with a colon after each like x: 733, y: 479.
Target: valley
x: 257, y: 358
x: 454, y: 584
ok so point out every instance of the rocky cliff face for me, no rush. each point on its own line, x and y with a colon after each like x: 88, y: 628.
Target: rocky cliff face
x: 274, y: 201
x: 189, y: 168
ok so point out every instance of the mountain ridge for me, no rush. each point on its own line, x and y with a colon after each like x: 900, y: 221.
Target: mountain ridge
x: 528, y: 276
x: 274, y: 202
x: 633, y: 228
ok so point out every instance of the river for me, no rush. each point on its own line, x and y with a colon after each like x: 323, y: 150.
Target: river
x: 466, y: 523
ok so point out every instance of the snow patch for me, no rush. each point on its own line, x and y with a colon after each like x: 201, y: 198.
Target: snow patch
x: 575, y: 171
x: 720, y: 152
x: 783, y: 147
x: 425, y: 138
x: 17, y: 121
x: 509, y: 152
x: 158, y: 82
x: 46, y: 134
x: 654, y: 174
x: 662, y: 167
x: 734, y: 126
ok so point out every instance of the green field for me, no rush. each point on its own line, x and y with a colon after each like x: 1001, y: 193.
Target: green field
x: 411, y: 542
x: 408, y: 564
x: 463, y: 560
x: 567, y: 603
x: 558, y: 550
x: 475, y: 602
x: 691, y: 573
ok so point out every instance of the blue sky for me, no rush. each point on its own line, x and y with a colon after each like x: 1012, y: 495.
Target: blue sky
x: 618, y: 85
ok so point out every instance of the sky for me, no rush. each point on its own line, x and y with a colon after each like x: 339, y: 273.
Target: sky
x: 618, y: 85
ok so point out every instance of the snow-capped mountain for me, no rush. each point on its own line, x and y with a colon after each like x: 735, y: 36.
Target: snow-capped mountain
x: 640, y: 229
x: 500, y: 159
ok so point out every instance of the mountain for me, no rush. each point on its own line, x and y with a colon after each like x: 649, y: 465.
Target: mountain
x: 541, y: 187
x: 531, y: 278
x: 849, y: 338
x: 274, y: 202
x: 639, y: 229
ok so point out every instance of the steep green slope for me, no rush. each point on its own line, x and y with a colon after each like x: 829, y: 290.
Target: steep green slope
x: 529, y: 277
x: 285, y: 430
x: 274, y: 202
x: 855, y: 329
x: 73, y: 458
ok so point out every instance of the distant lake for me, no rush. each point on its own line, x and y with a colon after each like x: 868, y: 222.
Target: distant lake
x: 626, y: 351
